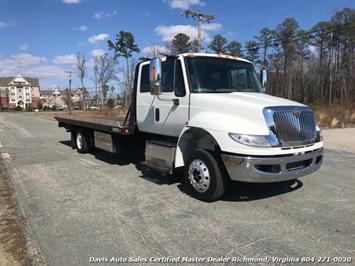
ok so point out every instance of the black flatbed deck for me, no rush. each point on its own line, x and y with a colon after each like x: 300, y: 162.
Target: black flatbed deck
x: 114, y: 124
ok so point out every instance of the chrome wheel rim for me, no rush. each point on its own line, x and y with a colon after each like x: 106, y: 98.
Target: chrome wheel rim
x: 199, y: 175
x: 79, y: 141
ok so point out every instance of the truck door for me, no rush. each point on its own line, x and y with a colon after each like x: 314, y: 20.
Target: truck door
x: 165, y: 114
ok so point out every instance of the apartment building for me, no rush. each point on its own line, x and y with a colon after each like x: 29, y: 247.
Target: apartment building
x: 19, y: 91
x: 59, y: 98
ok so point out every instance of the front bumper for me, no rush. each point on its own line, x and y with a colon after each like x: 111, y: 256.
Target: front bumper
x: 272, y: 169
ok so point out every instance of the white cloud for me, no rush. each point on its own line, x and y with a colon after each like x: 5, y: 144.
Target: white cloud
x: 168, y: 33
x: 71, y: 1
x: 27, y: 59
x: 23, y: 47
x: 29, y: 66
x: 155, y: 50
x: 184, y: 4
x: 102, y: 14
x: 10, y: 23
x: 98, y: 38
x: 97, y: 52
x: 83, y: 28
x: 313, y: 49
x: 65, y: 59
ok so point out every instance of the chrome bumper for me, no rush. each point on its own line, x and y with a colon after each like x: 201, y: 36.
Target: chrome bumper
x: 272, y: 169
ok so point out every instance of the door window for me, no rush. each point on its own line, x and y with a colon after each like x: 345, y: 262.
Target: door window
x: 172, y: 78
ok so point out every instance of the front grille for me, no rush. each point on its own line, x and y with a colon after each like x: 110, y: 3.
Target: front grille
x: 292, y: 126
x: 291, y: 129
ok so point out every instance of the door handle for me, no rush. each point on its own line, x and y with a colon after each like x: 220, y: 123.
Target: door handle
x: 157, y: 114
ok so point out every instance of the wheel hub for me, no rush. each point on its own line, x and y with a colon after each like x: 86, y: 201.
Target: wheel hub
x: 199, y: 176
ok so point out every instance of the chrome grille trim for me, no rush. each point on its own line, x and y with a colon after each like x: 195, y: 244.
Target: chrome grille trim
x: 292, y: 125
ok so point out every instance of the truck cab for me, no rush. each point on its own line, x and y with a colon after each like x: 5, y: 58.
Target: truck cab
x: 214, y: 110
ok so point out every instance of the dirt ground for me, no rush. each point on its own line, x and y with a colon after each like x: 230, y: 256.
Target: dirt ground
x: 13, y: 249
x: 17, y: 246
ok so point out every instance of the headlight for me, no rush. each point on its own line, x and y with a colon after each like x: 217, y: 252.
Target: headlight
x: 250, y: 140
x: 319, y: 136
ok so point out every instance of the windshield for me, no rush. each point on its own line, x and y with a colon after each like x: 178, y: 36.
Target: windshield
x: 221, y: 75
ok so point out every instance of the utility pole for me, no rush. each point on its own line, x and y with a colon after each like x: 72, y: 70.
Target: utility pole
x: 69, y: 76
x: 200, y: 15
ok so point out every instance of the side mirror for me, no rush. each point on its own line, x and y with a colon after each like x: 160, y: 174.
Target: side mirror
x: 264, y: 79
x: 262, y: 75
x: 155, y: 71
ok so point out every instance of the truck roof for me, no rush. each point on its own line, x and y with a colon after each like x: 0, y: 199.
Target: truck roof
x: 200, y: 54
x: 216, y: 55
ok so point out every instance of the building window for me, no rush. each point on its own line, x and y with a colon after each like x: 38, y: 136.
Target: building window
x: 27, y: 88
x: 27, y: 100
x: 13, y: 94
x: 20, y: 97
x: 19, y: 90
x: 27, y: 94
x: 13, y: 100
x: 12, y: 88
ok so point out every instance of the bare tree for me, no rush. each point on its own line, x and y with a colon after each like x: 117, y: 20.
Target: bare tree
x: 105, y: 70
x: 81, y: 66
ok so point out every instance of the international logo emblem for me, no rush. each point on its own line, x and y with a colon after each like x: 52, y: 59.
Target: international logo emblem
x: 297, y: 112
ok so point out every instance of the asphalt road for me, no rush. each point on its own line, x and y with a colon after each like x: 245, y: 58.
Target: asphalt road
x: 102, y: 207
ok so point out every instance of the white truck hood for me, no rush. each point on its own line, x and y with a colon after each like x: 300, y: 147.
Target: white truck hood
x: 247, y: 104
x: 240, y: 112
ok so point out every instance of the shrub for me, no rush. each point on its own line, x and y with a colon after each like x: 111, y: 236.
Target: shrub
x: 17, y: 108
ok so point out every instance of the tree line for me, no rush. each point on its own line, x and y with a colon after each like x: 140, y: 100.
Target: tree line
x: 310, y: 66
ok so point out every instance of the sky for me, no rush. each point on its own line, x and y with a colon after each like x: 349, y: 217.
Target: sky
x: 41, y: 38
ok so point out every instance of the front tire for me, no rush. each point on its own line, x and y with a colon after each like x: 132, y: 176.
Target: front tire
x: 203, y: 176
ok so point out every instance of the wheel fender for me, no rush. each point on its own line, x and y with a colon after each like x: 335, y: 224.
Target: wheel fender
x: 193, y: 138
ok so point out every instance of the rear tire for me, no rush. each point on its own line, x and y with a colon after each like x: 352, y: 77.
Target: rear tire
x: 203, y: 176
x: 83, y: 141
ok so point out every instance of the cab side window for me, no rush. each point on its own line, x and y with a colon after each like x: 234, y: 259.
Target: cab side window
x: 179, y: 80
x: 173, y: 80
x: 145, y: 86
x: 168, y: 76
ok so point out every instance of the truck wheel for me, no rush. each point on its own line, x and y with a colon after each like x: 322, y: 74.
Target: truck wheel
x: 203, y: 176
x: 82, y: 141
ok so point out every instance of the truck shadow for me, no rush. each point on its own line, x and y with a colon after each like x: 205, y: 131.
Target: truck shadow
x: 240, y: 191
x: 236, y: 191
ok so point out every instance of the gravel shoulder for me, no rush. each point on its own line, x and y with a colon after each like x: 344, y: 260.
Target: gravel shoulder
x: 340, y: 139
x: 18, y: 246
x: 13, y: 249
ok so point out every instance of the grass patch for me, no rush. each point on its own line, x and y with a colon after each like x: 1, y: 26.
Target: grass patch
x: 335, y: 117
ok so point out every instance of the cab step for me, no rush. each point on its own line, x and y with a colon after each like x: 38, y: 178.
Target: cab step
x: 160, y: 156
